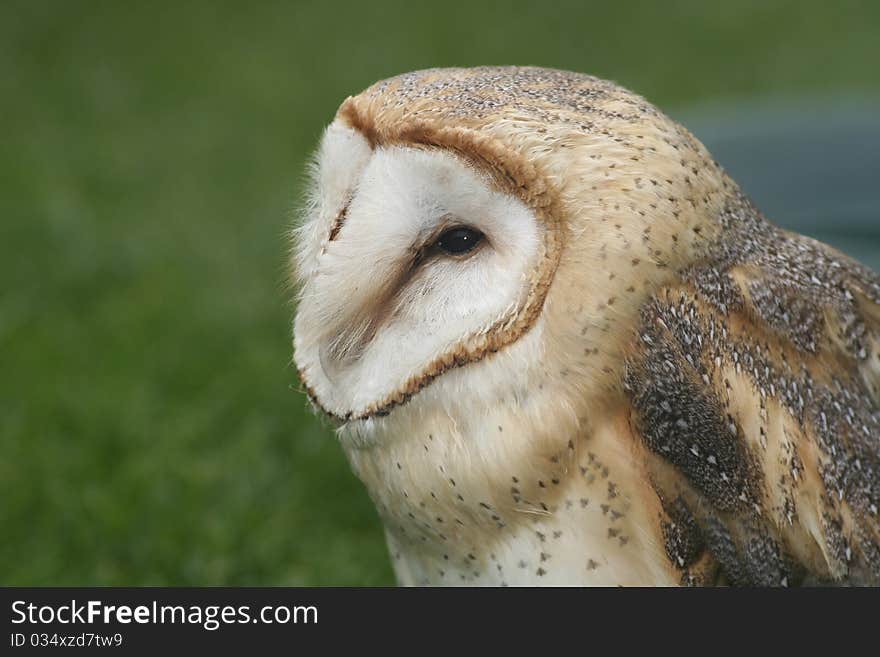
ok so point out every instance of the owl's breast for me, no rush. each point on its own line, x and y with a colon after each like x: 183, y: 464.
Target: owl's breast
x: 509, y: 499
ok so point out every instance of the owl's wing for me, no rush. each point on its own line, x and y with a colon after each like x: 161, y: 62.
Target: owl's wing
x: 755, y: 386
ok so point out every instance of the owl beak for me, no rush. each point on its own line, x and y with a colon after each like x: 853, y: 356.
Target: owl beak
x: 328, y: 366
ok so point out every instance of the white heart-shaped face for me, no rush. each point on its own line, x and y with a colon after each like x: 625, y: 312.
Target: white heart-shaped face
x: 383, y: 300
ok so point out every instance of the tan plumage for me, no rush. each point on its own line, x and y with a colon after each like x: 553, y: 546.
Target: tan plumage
x: 679, y: 393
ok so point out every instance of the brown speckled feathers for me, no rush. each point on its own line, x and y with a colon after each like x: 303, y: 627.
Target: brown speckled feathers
x: 756, y: 383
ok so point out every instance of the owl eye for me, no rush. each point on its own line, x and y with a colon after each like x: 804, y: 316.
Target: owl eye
x: 459, y: 240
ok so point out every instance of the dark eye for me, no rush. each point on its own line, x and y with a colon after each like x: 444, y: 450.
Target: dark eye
x: 459, y: 240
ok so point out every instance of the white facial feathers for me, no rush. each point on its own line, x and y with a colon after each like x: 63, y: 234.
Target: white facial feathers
x: 378, y: 305
x: 341, y: 157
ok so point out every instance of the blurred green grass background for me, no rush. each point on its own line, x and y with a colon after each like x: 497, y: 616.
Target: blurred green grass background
x: 150, y: 425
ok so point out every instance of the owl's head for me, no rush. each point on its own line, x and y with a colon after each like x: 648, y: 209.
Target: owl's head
x: 474, y: 231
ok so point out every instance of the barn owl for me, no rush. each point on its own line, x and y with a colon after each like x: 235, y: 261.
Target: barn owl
x: 561, y: 347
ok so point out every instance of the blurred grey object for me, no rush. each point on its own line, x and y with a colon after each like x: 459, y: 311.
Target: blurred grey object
x: 810, y: 166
